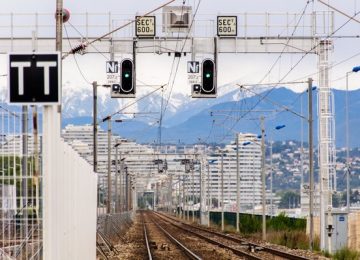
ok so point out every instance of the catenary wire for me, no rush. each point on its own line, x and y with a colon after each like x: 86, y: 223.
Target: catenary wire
x: 76, y: 62
x: 86, y: 44
x: 291, y: 69
x: 280, y: 55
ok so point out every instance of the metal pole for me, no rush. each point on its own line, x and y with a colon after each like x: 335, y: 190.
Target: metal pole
x: 301, y: 149
x: 116, y: 178
x: 126, y: 190
x: 208, y: 195
x: 193, y: 191
x: 326, y: 144
x: 170, y: 195
x: 108, y: 203
x: 201, y: 193
x: 183, y: 198
x: 187, y: 201
x: 24, y: 118
x: 51, y: 142
x: 179, y: 196
x: 263, y: 179
x: 253, y: 181
x: 36, y: 160
x: 347, y: 143
x: 59, y: 24
x: 130, y: 193
x: 95, y: 137
x: 237, y: 185
x: 271, y: 180
x: 222, y: 191
x: 95, y: 126
x: 311, y: 167
x: 154, y: 201
x: 121, y: 188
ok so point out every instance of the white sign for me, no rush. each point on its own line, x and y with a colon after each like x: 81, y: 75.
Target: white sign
x: 194, y: 79
x: 193, y: 67
x: 145, y: 26
x: 227, y: 26
x: 112, y: 72
x: 112, y: 79
x: 112, y: 67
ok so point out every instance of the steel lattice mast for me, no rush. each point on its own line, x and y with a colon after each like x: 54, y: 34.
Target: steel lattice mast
x: 326, y: 134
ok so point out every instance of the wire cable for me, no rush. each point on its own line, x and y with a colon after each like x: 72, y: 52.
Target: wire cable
x: 287, y: 43
x: 182, y: 49
x: 330, y: 67
x: 282, y: 52
x: 84, y: 45
x: 82, y: 36
x: 293, y: 67
x: 132, y: 103
x: 163, y: 111
x: 76, y: 62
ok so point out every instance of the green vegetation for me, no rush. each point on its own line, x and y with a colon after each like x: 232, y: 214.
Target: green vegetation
x: 281, y: 229
x: 346, y: 254
x: 291, y: 239
x: 289, y: 199
x: 11, y: 167
x: 250, y: 224
x: 284, y: 223
x: 288, y: 232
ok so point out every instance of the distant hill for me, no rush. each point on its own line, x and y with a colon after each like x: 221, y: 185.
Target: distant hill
x: 210, y: 120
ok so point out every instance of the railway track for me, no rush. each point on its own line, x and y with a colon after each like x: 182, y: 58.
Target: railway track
x: 157, y: 245
x: 240, y: 247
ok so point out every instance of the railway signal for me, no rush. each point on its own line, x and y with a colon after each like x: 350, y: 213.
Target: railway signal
x: 126, y: 88
x: 208, y: 86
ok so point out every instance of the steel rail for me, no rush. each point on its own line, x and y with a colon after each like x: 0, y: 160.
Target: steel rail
x: 234, y: 239
x: 182, y: 247
x: 146, y: 239
x: 222, y: 245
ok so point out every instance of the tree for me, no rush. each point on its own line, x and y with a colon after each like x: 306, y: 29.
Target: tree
x: 289, y: 199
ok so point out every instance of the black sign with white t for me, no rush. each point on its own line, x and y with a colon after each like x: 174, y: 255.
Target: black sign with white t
x: 34, y: 78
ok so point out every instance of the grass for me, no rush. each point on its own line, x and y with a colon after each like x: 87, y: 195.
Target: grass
x: 229, y: 229
x: 346, y: 254
x: 291, y: 239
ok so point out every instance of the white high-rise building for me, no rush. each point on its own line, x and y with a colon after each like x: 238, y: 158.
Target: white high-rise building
x: 140, y: 161
x: 249, y: 168
x: 138, y: 158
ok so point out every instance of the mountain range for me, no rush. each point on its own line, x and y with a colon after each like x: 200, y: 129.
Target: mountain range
x: 189, y: 120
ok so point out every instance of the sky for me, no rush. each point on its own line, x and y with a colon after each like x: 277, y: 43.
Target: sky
x: 155, y: 69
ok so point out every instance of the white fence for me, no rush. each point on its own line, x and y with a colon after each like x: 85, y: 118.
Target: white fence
x: 21, y: 219
x: 70, y: 203
x: 44, y: 214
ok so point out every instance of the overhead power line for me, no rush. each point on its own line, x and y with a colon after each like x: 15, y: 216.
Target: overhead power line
x: 339, y: 11
x: 84, y: 45
x: 137, y: 100
x: 291, y: 69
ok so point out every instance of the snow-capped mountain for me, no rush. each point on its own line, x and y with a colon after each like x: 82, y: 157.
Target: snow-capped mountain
x: 189, y: 120
x: 77, y: 102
